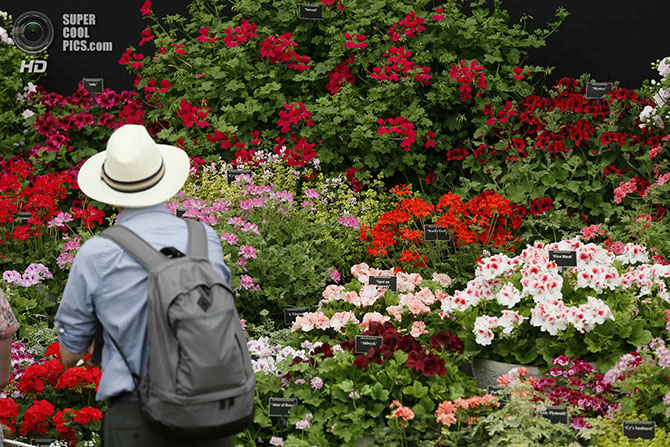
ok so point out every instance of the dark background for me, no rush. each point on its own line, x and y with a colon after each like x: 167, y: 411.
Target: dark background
x: 612, y: 40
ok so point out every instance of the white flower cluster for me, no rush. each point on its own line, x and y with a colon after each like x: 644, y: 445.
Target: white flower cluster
x: 265, y: 357
x: 541, y: 281
x: 4, y: 36
x: 649, y: 115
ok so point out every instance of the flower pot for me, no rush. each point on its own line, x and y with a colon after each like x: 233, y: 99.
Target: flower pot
x: 486, y: 372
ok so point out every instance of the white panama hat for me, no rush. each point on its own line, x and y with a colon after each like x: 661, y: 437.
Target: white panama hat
x: 134, y: 171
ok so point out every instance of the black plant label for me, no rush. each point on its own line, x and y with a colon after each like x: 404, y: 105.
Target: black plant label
x: 639, y: 429
x: 281, y: 407
x: 432, y: 232
x: 310, y: 12
x: 596, y: 90
x: 564, y: 258
x: 366, y: 342
x: 94, y: 85
x: 389, y: 282
x: 556, y: 415
x: 291, y: 313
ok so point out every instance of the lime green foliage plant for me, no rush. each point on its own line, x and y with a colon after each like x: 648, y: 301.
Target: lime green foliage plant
x: 609, y: 433
x: 376, y: 85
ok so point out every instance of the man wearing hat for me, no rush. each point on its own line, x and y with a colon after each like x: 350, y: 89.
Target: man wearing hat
x: 107, y: 285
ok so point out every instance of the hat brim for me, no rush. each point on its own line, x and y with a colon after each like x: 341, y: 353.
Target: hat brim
x: 177, y: 168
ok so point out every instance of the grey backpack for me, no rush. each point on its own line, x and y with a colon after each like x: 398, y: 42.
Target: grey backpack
x: 199, y: 380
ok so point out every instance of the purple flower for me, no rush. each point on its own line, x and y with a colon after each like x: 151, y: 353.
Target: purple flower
x: 334, y: 275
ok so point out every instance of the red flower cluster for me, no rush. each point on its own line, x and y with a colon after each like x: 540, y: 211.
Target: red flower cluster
x: 239, y: 34
x: 36, y: 418
x: 439, y: 17
x: 191, y: 114
x: 147, y: 36
x: 412, y: 24
x: 206, y: 36
x: 338, y: 3
x: 540, y: 206
x: 420, y: 360
x: 134, y: 59
x: 9, y: 412
x: 77, y: 378
x: 398, y: 64
x: 502, y: 116
x: 292, y: 116
x: 351, y: 44
x: 146, y: 8
x: 36, y: 376
x: 467, y: 75
x: 519, y: 73
x: 40, y: 196
x: 340, y: 75
x: 486, y: 219
x: 280, y: 50
x: 401, y: 127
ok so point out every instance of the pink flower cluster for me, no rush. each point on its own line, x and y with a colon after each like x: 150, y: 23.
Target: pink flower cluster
x: 34, y: 274
x: 70, y: 248
x: 447, y: 412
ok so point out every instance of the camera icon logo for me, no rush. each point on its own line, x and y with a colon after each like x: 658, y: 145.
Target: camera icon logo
x: 33, y: 32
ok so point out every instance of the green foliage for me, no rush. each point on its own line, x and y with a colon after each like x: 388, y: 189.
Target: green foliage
x: 241, y: 91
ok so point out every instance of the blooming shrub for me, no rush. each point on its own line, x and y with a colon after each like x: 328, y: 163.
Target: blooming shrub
x: 69, y: 129
x: 575, y: 384
x: 523, y: 310
x: 367, y: 62
x: 280, y: 254
x: 583, y: 154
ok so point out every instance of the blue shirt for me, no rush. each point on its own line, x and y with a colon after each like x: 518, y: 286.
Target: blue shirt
x: 107, y: 282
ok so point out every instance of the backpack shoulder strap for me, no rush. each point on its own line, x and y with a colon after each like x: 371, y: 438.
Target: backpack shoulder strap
x: 197, y: 239
x: 135, y: 246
